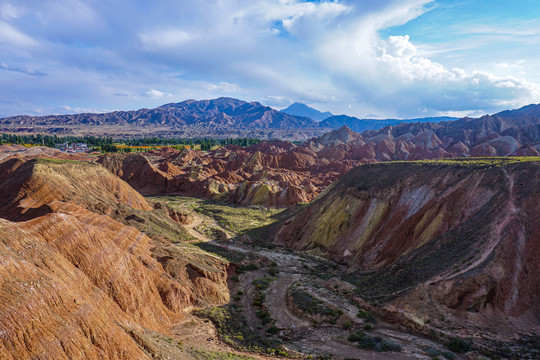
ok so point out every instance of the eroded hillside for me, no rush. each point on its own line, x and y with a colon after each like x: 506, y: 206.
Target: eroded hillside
x: 458, y: 237
x: 77, y: 280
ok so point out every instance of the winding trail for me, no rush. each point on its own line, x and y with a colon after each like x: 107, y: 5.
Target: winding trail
x: 300, y: 334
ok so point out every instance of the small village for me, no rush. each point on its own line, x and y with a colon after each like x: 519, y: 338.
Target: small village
x: 72, y: 147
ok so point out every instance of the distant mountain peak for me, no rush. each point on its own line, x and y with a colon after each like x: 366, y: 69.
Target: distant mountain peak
x: 299, y: 109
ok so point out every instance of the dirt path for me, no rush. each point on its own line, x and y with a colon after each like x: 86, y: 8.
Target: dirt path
x: 300, y: 334
x: 191, y: 229
x: 277, y: 304
x: 249, y: 292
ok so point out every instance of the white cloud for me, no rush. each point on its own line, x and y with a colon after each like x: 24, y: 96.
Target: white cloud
x: 169, y: 38
x: 9, y: 11
x: 390, y: 73
x: 223, y: 87
x: 9, y: 35
x: 156, y: 94
x: 21, y: 70
x: 277, y: 101
x: 327, y: 53
x: 66, y: 109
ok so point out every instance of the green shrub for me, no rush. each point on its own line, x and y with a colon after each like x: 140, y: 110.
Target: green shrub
x: 263, y: 283
x: 432, y: 352
x: 248, y: 267
x: 311, y: 305
x: 449, y: 355
x: 459, y: 345
x: 366, y: 315
x: 368, y: 342
x: 233, y: 330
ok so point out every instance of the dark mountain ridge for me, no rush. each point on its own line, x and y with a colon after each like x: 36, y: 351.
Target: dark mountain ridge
x: 222, y: 111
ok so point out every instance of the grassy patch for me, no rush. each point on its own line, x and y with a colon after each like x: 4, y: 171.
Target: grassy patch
x: 231, y: 255
x: 154, y: 223
x: 367, y: 316
x: 61, y: 161
x: 236, y: 219
x: 262, y: 234
x: 459, y: 345
x: 261, y: 285
x: 472, y: 162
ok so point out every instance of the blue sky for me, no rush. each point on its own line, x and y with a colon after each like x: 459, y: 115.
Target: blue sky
x: 366, y: 58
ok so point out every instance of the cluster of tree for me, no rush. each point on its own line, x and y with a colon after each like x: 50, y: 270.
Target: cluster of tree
x: 205, y: 143
x: 51, y: 141
x: 107, y: 144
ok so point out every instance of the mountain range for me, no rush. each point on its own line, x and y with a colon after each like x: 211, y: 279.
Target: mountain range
x: 331, y: 121
x: 222, y: 117
x: 279, y: 173
x: 218, y: 118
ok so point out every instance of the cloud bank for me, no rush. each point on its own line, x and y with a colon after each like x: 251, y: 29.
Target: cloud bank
x: 72, y: 54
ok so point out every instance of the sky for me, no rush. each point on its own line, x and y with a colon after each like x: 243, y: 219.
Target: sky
x: 364, y: 58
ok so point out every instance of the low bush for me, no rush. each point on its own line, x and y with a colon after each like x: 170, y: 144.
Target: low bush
x: 366, y: 315
x: 376, y: 343
x: 459, y: 345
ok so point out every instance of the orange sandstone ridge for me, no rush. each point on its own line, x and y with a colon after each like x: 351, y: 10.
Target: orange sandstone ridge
x: 76, y: 283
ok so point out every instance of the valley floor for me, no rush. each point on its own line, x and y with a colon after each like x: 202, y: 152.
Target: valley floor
x: 284, y: 304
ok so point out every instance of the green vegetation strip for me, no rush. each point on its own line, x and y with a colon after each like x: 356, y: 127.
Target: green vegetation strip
x: 108, y: 144
x: 236, y: 219
x: 471, y: 162
x: 233, y: 330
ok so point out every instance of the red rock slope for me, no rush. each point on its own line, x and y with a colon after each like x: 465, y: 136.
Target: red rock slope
x: 444, y: 236
x: 76, y: 283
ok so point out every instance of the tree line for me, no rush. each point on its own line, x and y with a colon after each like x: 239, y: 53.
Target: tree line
x: 107, y: 144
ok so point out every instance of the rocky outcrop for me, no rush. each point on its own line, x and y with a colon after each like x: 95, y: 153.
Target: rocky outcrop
x: 462, y: 235
x: 271, y: 173
x: 77, y: 281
